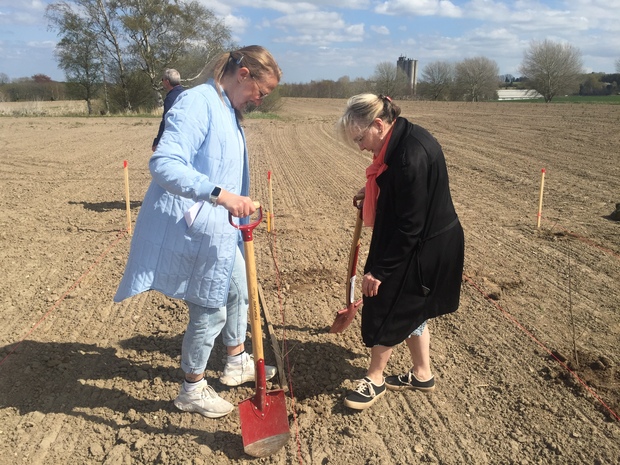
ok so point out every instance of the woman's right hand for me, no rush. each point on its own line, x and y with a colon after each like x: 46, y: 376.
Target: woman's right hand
x: 358, y: 199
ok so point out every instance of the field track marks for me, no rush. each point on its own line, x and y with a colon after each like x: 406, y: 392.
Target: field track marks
x: 302, y: 181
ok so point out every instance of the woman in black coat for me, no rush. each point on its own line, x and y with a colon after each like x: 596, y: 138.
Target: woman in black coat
x: 415, y: 263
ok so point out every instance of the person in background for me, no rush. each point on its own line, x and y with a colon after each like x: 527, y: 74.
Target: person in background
x: 415, y: 261
x: 183, y: 244
x: 171, y: 80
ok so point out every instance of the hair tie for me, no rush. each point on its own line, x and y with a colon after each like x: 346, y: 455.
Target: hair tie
x: 388, y: 99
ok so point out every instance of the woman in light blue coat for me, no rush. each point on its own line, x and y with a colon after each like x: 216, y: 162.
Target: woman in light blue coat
x: 183, y: 244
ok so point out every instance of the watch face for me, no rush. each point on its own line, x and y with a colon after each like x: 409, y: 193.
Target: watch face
x: 214, y: 195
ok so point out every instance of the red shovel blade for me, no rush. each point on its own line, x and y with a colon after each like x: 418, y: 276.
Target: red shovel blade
x: 344, y: 317
x: 264, y: 419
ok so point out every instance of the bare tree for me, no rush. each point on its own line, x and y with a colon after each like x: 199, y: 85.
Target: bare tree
x: 618, y: 65
x: 552, y: 68
x: 77, y: 55
x: 102, y: 19
x: 438, y: 78
x: 162, y: 32
x: 385, y: 78
x: 144, y: 37
x: 477, y: 79
x: 390, y: 80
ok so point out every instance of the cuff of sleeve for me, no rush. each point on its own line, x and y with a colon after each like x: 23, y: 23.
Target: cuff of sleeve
x: 203, y: 190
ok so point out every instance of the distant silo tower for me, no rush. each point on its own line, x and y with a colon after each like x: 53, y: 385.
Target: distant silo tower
x: 410, y: 68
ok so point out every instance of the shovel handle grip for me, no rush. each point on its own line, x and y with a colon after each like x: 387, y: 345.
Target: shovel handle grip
x: 246, y: 229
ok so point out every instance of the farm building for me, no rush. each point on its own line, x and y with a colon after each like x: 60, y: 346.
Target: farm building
x: 517, y: 94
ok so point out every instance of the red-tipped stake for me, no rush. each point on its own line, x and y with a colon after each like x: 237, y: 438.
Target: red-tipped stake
x: 540, y: 200
x: 127, y: 204
x: 270, y: 212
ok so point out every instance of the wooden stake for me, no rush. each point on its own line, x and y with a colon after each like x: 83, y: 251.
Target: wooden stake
x: 127, y: 204
x: 270, y: 212
x: 540, y: 201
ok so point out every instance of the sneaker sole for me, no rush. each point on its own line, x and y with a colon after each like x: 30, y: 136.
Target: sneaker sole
x: 363, y: 405
x: 392, y: 387
x: 192, y: 409
x: 233, y: 382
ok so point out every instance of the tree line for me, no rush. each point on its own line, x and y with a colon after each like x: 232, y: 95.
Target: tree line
x: 548, y: 68
x: 113, y: 53
x: 39, y: 87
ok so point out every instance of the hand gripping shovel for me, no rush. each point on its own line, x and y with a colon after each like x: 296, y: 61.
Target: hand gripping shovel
x: 345, y: 316
x: 264, y: 420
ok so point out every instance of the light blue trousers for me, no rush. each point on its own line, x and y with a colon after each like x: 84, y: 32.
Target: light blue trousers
x: 206, y: 324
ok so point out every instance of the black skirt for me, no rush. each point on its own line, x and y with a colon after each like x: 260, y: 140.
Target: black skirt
x: 427, y: 285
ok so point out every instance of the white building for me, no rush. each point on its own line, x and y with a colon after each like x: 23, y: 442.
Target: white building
x: 517, y: 94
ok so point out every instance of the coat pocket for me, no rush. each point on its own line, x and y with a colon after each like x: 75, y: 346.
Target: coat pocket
x: 422, y: 284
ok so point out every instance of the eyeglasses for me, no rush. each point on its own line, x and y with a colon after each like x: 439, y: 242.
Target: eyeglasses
x: 261, y: 94
x: 360, y: 138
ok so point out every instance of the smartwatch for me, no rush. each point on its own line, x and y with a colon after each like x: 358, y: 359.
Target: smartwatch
x: 215, y: 194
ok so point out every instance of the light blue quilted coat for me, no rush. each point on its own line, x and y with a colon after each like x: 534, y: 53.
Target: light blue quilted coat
x: 200, y: 148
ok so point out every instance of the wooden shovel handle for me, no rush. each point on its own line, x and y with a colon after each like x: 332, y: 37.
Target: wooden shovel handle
x: 353, y: 255
x: 250, y: 270
x: 254, y: 303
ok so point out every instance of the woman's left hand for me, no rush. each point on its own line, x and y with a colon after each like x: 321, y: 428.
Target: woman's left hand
x: 358, y: 199
x: 370, y: 285
x: 238, y: 206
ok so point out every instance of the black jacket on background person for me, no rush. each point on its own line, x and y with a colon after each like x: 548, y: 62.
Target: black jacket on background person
x: 171, y: 96
x: 417, y: 245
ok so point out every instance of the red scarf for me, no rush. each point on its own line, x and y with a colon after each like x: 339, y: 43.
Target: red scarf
x: 372, y: 189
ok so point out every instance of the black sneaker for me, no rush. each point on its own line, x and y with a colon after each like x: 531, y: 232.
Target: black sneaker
x: 364, y: 395
x: 409, y: 381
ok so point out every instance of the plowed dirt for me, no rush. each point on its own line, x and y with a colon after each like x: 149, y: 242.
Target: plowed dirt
x: 528, y: 368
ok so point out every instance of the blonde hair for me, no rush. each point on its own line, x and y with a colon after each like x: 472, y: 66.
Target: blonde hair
x: 254, y: 57
x: 362, y: 110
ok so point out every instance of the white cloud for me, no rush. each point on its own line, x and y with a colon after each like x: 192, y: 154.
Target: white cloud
x: 22, y: 13
x: 311, y: 21
x: 380, y: 30
x: 443, y: 8
x: 286, y: 7
x: 45, y: 44
x: 318, y: 28
x: 238, y: 24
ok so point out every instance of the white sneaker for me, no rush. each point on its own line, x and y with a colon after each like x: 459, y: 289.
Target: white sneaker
x: 236, y: 374
x: 203, y: 400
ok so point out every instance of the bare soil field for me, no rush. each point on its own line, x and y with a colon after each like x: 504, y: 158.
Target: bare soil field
x: 527, y: 370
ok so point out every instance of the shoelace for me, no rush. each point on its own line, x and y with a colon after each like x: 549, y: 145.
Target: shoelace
x: 365, y: 386
x: 208, y: 391
x: 408, y: 378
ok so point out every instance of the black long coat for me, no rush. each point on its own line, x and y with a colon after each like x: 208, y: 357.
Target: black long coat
x: 417, y: 245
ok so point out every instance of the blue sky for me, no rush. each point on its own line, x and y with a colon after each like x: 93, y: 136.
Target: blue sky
x: 328, y: 39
